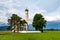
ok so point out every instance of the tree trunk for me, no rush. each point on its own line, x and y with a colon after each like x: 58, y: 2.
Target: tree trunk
x: 42, y: 29
x: 36, y: 28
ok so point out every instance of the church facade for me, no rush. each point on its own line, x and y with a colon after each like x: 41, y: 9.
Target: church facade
x: 23, y: 27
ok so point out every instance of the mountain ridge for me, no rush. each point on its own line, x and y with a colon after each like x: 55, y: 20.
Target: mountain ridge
x: 49, y: 25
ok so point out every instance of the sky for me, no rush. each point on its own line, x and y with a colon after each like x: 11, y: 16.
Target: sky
x: 50, y: 9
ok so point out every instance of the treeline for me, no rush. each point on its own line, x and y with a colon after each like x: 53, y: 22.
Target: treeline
x: 51, y: 29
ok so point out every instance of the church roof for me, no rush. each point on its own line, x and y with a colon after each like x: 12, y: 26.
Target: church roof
x: 25, y: 21
x: 26, y: 9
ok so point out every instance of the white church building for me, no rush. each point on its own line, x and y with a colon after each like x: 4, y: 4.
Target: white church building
x: 25, y: 26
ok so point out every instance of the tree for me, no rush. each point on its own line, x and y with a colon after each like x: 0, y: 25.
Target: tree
x: 39, y: 22
x: 14, y: 22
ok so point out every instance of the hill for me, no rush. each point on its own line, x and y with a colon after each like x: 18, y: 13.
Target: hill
x: 50, y: 25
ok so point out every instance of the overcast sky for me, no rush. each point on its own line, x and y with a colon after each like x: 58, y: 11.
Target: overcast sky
x: 50, y: 9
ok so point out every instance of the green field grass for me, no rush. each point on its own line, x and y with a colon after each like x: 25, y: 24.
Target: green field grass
x: 51, y: 35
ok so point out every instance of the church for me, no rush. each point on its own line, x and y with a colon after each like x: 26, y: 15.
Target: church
x: 25, y: 26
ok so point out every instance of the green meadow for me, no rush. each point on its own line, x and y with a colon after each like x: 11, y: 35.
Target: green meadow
x: 47, y: 35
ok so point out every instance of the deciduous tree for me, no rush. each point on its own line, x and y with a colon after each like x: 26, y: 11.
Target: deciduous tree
x: 39, y: 22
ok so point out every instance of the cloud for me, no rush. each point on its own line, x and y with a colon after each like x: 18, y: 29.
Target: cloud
x: 53, y: 16
x: 3, y: 11
x: 9, y: 7
x: 49, y: 5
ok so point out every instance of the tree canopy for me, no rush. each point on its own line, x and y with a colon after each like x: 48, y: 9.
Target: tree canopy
x: 39, y: 22
x: 15, y: 20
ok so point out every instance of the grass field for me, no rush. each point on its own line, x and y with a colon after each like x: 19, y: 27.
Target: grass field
x: 51, y: 35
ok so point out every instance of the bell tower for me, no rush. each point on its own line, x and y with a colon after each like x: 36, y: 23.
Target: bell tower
x: 26, y: 17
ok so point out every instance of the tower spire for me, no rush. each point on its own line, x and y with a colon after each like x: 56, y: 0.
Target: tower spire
x: 26, y: 15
